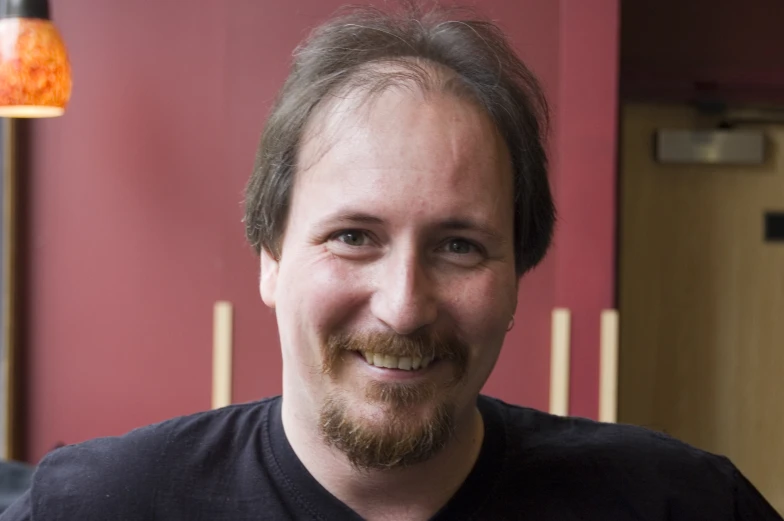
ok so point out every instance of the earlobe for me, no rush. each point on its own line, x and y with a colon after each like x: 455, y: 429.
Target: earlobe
x: 269, y: 277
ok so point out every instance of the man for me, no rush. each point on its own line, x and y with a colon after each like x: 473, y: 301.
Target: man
x: 399, y: 194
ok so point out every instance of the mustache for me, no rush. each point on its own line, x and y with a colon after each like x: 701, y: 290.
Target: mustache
x: 422, y: 345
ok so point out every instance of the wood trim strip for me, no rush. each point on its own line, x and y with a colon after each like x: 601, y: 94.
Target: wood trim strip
x: 559, y: 362
x: 608, y: 380
x: 221, y: 354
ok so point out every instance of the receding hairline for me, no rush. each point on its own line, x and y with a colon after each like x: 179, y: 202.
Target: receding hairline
x: 370, y: 81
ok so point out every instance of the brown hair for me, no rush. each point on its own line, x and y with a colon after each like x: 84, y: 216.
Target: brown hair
x: 339, y: 55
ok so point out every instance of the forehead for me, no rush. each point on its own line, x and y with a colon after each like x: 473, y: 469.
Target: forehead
x: 408, y: 144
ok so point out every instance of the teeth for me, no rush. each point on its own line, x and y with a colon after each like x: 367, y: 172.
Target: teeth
x: 406, y: 363
x: 390, y: 362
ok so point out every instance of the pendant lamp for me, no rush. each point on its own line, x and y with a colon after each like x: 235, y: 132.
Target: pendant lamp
x: 35, y: 76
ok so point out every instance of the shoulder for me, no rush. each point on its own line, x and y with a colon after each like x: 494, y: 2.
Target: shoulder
x: 120, y: 477
x: 532, y: 430
x: 641, y: 468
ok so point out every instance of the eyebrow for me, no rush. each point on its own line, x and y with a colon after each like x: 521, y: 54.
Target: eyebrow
x: 470, y: 224
x: 454, y: 224
x: 353, y: 217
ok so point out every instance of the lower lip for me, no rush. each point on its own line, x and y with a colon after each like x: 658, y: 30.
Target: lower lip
x: 395, y: 374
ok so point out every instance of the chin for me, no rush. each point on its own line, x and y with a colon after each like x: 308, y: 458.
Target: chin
x: 389, y: 427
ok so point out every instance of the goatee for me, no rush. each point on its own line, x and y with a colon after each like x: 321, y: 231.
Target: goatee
x: 406, y: 435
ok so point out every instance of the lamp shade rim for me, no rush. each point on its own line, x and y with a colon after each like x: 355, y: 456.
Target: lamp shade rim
x: 30, y: 111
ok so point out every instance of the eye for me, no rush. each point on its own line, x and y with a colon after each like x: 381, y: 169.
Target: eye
x: 352, y: 237
x: 462, y: 252
x: 353, y: 244
x: 460, y: 247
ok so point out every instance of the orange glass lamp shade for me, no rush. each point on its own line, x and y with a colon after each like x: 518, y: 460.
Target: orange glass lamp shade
x: 35, y: 76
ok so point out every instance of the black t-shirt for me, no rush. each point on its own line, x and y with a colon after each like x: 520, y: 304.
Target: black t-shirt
x: 235, y: 464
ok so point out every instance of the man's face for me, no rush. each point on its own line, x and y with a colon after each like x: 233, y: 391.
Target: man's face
x: 397, y: 280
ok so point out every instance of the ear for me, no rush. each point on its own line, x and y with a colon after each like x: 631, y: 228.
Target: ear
x: 269, y: 277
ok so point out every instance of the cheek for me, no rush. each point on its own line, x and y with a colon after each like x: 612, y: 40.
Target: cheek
x: 322, y: 292
x: 484, y: 307
x: 482, y: 310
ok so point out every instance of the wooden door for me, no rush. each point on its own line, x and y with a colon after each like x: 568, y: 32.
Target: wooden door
x: 701, y: 298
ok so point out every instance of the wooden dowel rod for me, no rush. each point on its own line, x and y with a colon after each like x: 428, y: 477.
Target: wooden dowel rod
x: 221, y: 354
x: 608, y: 380
x: 559, y: 362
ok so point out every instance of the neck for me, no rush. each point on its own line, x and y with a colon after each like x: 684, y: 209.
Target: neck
x: 415, y: 492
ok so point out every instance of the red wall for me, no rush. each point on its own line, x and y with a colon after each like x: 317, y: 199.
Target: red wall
x: 134, y: 209
x: 130, y: 211
x: 585, y: 158
x: 578, y: 39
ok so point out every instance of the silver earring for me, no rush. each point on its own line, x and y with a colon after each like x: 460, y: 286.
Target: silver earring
x: 511, y: 324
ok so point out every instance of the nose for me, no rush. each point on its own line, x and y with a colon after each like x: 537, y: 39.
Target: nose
x: 405, y: 297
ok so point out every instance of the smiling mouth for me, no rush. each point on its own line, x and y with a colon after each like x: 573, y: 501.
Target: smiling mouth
x: 405, y: 363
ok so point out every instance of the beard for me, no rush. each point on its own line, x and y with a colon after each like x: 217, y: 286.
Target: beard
x: 401, y: 438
